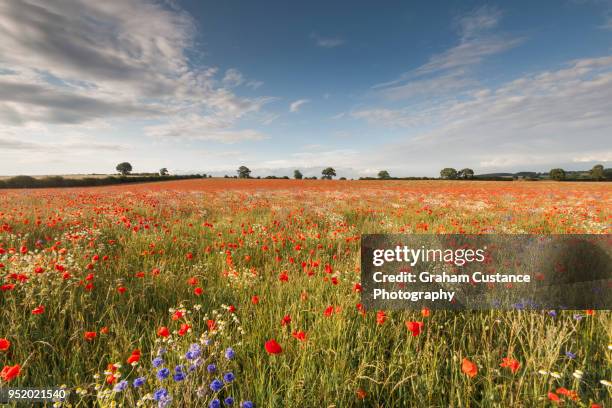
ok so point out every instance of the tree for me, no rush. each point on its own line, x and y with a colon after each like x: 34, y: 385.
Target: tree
x: 384, y: 174
x: 124, y: 168
x: 244, y: 172
x: 597, y: 172
x: 163, y: 171
x: 448, y: 173
x: 466, y: 173
x: 608, y: 174
x: 557, y: 174
x: 297, y: 175
x: 328, y: 173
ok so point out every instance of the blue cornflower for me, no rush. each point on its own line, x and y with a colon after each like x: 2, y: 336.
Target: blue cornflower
x: 157, y: 361
x: 194, y: 352
x: 569, y: 354
x: 229, y: 401
x: 216, y: 385
x: 215, y: 403
x: 163, y: 374
x: 120, y: 386
x: 139, y: 382
x: 247, y: 404
x: 552, y: 313
x: 159, y: 394
x: 211, y: 368
x: 578, y: 317
x: 179, y: 376
x: 192, y: 368
x: 229, y: 353
x: 228, y: 377
x: 178, y: 369
x: 208, y: 342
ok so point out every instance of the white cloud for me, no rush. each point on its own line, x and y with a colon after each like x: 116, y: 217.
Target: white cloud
x: 545, y: 118
x: 74, y: 62
x: 327, y: 42
x: 295, y: 106
x: 451, y: 69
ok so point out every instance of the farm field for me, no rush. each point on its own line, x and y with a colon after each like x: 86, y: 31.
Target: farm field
x: 222, y: 292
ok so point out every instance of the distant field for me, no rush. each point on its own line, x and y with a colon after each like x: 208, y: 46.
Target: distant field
x: 216, y: 288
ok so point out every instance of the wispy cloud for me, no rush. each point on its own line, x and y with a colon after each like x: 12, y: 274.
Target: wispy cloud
x: 450, y: 70
x: 295, y: 106
x: 327, y: 42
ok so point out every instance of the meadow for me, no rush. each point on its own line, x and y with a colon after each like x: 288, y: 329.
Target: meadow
x: 246, y: 293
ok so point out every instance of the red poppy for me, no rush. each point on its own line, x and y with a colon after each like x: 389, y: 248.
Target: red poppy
x: 272, y: 347
x: 38, y: 310
x: 184, y: 329
x: 286, y: 320
x: 10, y: 372
x: 198, y: 291
x: 300, y: 335
x: 231, y: 309
x: 425, y: 312
x: 121, y: 289
x: 104, y: 330
x: 553, y: 397
x: 361, y: 394
x: 510, y: 363
x: 177, y: 315
x: 255, y: 300
x: 283, y: 277
x: 357, y: 287
x: 135, y: 357
x: 414, y: 327
x: 163, y: 332
x: 329, y: 311
x: 212, y: 325
x: 469, y: 368
x: 4, y: 344
x: 90, y: 335
x: 381, y: 317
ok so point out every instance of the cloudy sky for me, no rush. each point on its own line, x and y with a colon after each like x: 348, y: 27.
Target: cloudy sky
x: 208, y: 86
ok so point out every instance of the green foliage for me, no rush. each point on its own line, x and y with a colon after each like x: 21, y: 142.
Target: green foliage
x: 557, y: 174
x: 597, y: 172
x: 244, y: 172
x: 384, y: 174
x: 297, y: 175
x: 163, y: 171
x: 466, y: 174
x: 328, y: 173
x: 448, y: 173
x: 124, y: 168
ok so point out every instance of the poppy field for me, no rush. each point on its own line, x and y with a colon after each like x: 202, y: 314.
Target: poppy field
x: 246, y: 293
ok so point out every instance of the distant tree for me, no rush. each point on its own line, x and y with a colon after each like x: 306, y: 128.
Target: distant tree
x: 328, y: 173
x: 557, y: 174
x: 466, y: 173
x: 164, y: 172
x: 297, y: 175
x: 384, y: 174
x: 608, y: 174
x: 124, y: 168
x: 597, y: 172
x: 342, y: 178
x: 244, y: 172
x: 448, y: 173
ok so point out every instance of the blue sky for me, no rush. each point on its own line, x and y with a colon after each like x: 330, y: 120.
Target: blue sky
x: 208, y: 86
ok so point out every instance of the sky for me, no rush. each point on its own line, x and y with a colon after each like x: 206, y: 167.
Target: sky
x: 208, y: 86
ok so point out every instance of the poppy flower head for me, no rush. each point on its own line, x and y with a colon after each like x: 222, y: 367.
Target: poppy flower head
x: 272, y: 347
x: 469, y: 368
x: 4, y: 344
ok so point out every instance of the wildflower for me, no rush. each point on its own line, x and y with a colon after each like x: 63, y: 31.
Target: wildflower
x: 272, y: 347
x: 211, y: 368
x: 414, y: 327
x: 163, y: 332
x: 552, y: 313
x: 570, y: 355
x: 255, y: 300
x: 198, y: 291
x: 160, y: 394
x: 179, y: 376
x: 380, y: 317
x: 361, y: 394
x: 555, y: 374
x: 286, y: 320
x: 228, y: 377
x: 157, y: 361
x: 578, y: 374
x: 469, y: 368
x: 90, y: 335
x: 4, y: 344
x: 425, y: 312
x: 194, y: 352
x: 139, y: 382
x: 328, y: 311
x: 163, y: 374
x: 606, y: 383
x: 300, y: 335
x: 229, y: 401
x: 510, y: 363
x: 215, y: 403
x: 229, y: 353
x: 10, y: 372
x: 247, y: 404
x: 120, y: 386
x: 38, y: 310
x: 184, y: 329
x: 216, y: 385
x: 553, y: 397
x: 283, y: 277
